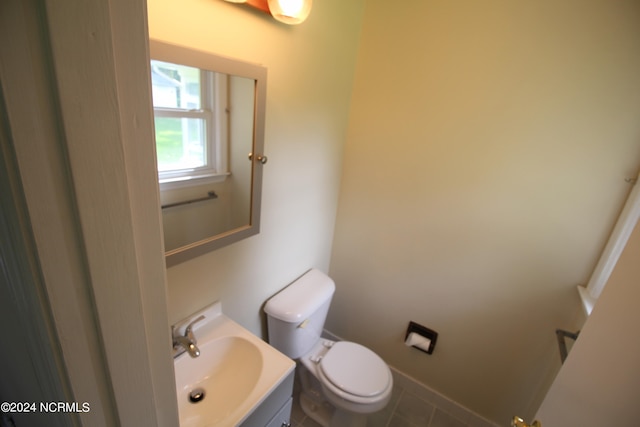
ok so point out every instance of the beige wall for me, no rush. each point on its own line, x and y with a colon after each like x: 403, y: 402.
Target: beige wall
x: 486, y: 154
x: 487, y: 149
x: 310, y: 73
x: 598, y: 384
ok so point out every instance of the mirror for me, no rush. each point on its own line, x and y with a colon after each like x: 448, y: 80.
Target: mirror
x: 209, y: 122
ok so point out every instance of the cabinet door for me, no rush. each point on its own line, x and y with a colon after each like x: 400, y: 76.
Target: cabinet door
x: 275, y: 407
x: 283, y: 417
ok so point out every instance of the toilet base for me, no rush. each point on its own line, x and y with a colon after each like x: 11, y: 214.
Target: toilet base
x: 316, y: 406
x: 320, y: 412
x: 327, y: 416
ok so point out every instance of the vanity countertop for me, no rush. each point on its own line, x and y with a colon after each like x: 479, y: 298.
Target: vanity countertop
x: 236, y: 370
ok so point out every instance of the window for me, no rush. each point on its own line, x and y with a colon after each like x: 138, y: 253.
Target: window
x: 189, y: 107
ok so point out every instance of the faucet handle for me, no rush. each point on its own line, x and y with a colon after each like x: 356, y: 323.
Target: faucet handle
x: 188, y: 331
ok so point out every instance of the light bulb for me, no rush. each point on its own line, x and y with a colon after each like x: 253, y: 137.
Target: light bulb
x: 290, y: 11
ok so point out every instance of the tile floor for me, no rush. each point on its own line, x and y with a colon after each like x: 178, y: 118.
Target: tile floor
x: 411, y: 405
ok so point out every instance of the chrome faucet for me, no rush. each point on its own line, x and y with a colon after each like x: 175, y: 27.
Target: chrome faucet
x: 186, y: 342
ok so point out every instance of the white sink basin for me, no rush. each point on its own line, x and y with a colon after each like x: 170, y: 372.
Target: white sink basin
x: 234, y: 373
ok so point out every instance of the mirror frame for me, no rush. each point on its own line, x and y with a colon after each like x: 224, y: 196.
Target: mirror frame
x: 208, y: 61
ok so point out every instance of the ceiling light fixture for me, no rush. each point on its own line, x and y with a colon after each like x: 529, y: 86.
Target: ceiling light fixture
x: 290, y: 12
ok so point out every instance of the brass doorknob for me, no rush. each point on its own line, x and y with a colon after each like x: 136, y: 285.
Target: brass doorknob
x: 519, y: 422
x: 260, y: 157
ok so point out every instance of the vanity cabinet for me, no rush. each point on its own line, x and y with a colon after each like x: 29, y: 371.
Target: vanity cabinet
x: 283, y: 417
x: 275, y: 409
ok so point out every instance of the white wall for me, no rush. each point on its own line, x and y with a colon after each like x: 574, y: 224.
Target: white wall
x: 310, y: 73
x: 598, y: 384
x: 487, y: 149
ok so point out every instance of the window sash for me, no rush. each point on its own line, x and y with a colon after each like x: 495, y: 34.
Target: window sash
x: 213, y: 99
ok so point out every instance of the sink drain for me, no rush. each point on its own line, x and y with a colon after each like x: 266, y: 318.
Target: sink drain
x: 196, y: 395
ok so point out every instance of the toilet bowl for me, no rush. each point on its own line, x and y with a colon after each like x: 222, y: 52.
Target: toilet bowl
x: 352, y: 378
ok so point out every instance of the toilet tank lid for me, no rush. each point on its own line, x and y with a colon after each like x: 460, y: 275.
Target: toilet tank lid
x: 302, y: 298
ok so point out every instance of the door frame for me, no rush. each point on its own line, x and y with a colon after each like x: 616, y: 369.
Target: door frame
x: 76, y: 84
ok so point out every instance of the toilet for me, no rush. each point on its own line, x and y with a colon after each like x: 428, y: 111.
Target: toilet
x: 352, y: 379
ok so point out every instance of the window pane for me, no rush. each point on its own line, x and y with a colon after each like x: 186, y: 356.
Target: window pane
x: 175, y: 86
x: 180, y: 143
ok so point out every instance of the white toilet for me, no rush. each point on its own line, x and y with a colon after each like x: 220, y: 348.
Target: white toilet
x: 354, y: 379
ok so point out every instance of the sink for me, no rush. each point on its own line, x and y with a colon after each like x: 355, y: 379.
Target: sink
x: 234, y: 373
x: 224, y: 374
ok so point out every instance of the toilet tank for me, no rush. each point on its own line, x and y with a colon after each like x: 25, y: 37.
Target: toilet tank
x: 296, y: 314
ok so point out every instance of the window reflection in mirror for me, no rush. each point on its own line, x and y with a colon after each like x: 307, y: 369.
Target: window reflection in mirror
x: 209, y: 116
x: 190, y: 121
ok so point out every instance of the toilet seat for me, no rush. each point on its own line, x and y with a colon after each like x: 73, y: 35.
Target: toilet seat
x: 354, y: 372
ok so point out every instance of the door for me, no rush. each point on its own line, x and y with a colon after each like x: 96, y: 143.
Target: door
x: 29, y: 353
x: 598, y: 384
